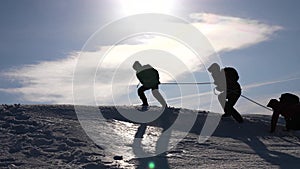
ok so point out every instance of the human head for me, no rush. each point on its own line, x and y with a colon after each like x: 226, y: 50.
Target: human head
x: 273, y: 103
x: 213, y: 68
x: 137, y: 66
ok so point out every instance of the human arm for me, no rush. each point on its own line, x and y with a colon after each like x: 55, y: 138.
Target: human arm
x: 139, y: 77
x: 157, y: 76
x: 274, y: 120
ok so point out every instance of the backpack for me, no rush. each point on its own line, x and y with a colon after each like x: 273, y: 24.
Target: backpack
x: 231, y: 73
x: 288, y: 98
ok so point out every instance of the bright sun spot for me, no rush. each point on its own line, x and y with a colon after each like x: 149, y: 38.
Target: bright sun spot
x: 131, y: 7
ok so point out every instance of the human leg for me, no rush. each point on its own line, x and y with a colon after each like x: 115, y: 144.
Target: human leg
x: 222, y: 101
x: 159, y: 97
x: 142, y: 95
x: 231, y: 101
x: 293, y: 123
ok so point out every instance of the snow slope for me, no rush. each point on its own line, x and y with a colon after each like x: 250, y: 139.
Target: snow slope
x: 50, y: 136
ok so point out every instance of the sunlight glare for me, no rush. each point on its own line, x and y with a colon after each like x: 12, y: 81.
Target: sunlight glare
x: 131, y: 7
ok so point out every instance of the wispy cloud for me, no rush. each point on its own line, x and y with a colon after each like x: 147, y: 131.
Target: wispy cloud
x: 255, y: 85
x: 230, y: 33
x: 51, y: 81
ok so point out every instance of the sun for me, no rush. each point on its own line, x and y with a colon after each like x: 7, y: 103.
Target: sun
x: 131, y: 7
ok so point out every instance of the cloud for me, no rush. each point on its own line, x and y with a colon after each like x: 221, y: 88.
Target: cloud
x: 229, y: 33
x: 255, y: 85
x: 51, y: 81
x: 48, y: 81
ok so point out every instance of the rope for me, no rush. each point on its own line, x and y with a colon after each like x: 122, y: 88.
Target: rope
x: 181, y: 83
x: 202, y: 83
x: 185, y: 83
x: 251, y: 100
x: 255, y: 102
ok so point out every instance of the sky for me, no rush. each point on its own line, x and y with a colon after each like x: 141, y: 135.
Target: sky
x: 44, y: 44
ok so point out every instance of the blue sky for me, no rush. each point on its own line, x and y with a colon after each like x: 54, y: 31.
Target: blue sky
x: 38, y: 35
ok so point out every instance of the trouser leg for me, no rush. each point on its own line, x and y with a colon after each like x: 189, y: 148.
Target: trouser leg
x: 222, y: 100
x: 159, y: 97
x: 293, y: 123
x: 231, y: 100
x: 142, y: 95
x: 236, y: 115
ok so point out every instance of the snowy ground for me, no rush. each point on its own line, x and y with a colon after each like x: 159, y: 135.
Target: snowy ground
x: 50, y: 136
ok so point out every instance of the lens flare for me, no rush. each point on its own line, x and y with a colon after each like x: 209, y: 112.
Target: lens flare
x: 151, y: 165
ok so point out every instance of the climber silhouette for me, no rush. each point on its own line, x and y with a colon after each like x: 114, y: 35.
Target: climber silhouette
x: 289, y: 108
x: 226, y: 81
x: 149, y: 78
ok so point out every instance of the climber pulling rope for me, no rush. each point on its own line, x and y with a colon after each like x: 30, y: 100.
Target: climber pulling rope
x: 204, y: 83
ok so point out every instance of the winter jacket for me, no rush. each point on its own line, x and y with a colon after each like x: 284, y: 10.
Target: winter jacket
x: 232, y: 84
x: 148, y: 76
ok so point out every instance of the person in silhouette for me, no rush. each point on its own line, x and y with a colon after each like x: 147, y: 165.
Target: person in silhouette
x: 289, y: 107
x: 149, y: 78
x: 226, y: 81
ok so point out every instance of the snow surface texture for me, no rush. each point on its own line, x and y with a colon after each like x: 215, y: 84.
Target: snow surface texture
x: 50, y: 136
